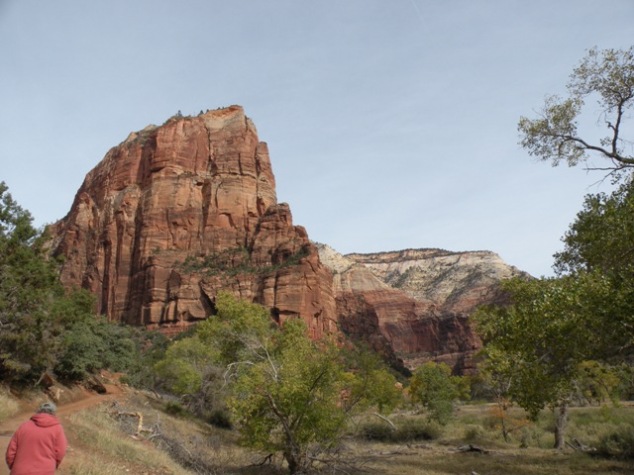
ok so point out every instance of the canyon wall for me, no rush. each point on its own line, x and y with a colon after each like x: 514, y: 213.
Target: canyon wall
x: 177, y: 213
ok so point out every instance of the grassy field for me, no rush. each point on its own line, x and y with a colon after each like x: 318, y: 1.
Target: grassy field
x: 134, y: 435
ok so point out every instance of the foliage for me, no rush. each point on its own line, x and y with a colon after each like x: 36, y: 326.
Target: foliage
x: 433, y: 387
x: 596, y: 383
x: 602, y: 235
x: 542, y: 338
x: 598, y: 250
x: 286, y: 398
x: 42, y: 326
x: 92, y: 344
x: 285, y: 392
x: 370, y: 382
x: 619, y: 443
x: 28, y: 286
x: 238, y: 260
x: 405, y: 430
x: 541, y: 344
x: 606, y: 75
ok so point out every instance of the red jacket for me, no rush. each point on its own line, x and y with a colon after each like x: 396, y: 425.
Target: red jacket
x: 37, y: 447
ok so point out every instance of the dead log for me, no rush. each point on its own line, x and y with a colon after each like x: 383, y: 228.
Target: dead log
x: 472, y: 448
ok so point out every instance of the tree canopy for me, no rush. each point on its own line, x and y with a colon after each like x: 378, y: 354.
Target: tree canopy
x: 606, y: 75
x: 286, y: 393
x: 43, y: 327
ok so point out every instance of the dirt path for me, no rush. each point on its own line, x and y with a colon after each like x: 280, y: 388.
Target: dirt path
x: 88, y: 400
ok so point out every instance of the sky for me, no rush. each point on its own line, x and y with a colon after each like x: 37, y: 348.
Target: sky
x: 391, y: 124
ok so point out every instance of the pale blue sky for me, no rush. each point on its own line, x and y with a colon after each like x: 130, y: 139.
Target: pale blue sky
x: 390, y: 124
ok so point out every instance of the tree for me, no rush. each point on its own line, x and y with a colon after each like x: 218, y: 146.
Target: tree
x: 547, y: 332
x: 287, y: 398
x: 286, y: 393
x: 599, y: 246
x: 43, y: 327
x: 28, y: 287
x: 433, y: 386
x: 607, y: 75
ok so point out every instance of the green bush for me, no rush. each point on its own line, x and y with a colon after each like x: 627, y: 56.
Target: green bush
x: 92, y: 344
x: 407, y: 430
x: 619, y: 443
x: 174, y: 408
x: 220, y: 418
x: 378, y: 430
x: 417, y: 429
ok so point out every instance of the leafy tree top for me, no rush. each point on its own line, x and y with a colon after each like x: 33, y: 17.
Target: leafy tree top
x: 606, y: 75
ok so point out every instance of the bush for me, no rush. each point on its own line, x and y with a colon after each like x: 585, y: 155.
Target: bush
x: 618, y: 444
x: 407, y: 430
x: 220, y: 418
x: 175, y: 409
x: 92, y: 344
x: 380, y: 431
x: 417, y: 429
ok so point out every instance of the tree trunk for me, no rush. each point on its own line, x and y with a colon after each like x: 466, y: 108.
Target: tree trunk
x: 294, y: 459
x: 561, y: 420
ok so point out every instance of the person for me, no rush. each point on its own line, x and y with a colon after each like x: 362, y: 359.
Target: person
x: 39, y: 444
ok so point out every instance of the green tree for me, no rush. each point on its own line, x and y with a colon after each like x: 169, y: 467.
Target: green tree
x: 496, y: 372
x: 286, y: 393
x: 286, y: 398
x: 28, y: 287
x: 598, y: 250
x: 433, y: 387
x: 543, y: 337
x: 606, y: 75
x: 43, y: 327
x: 370, y: 381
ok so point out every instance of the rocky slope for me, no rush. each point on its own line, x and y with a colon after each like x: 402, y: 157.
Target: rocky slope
x: 456, y: 281
x: 418, y: 300
x: 176, y: 213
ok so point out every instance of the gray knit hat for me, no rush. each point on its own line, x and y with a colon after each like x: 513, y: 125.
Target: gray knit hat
x: 48, y: 407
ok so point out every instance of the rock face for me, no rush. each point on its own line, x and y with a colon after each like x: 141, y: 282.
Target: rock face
x: 417, y: 300
x: 175, y: 213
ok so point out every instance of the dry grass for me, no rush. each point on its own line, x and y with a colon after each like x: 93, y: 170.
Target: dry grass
x: 104, y: 441
x: 103, y: 444
x: 8, y: 405
x: 98, y: 446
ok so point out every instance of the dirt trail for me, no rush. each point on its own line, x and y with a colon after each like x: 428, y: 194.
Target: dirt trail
x: 86, y: 401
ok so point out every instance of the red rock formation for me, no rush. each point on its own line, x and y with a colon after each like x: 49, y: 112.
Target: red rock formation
x: 193, y: 189
x: 416, y: 302
x: 176, y: 213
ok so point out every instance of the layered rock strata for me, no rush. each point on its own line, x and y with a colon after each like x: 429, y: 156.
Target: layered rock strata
x: 418, y: 300
x: 175, y: 213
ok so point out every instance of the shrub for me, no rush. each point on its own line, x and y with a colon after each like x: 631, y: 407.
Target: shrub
x: 407, y: 430
x: 380, y: 431
x: 220, y: 418
x: 174, y: 408
x: 619, y: 443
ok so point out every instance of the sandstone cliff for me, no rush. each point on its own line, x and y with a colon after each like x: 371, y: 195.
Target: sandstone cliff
x: 418, y: 300
x: 177, y: 212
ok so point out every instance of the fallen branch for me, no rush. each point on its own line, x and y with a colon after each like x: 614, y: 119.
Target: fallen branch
x: 383, y: 418
x: 580, y: 447
x: 472, y: 448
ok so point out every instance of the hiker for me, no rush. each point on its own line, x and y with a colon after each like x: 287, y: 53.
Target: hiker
x: 39, y: 444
